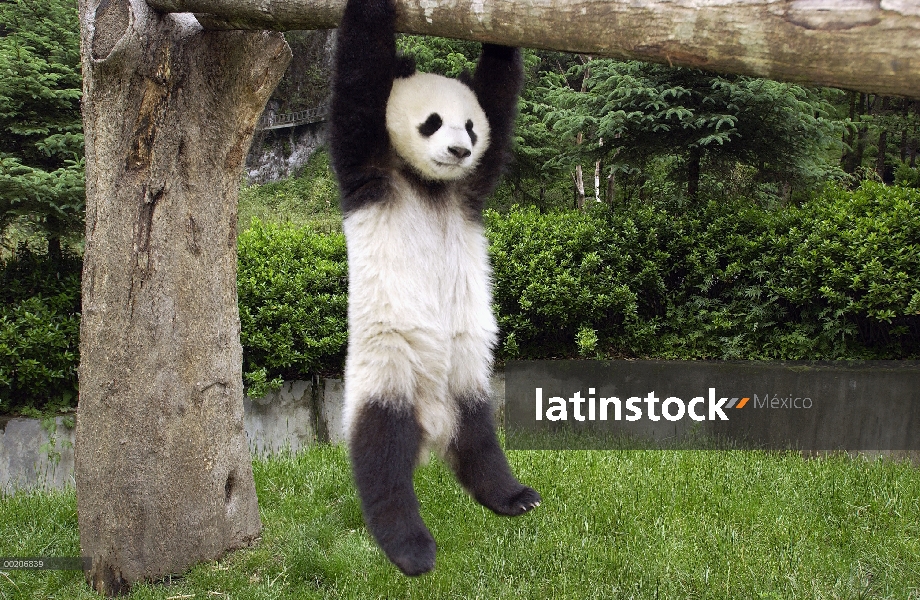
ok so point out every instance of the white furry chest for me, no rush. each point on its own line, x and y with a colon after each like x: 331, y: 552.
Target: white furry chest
x: 420, y: 322
x: 414, y: 260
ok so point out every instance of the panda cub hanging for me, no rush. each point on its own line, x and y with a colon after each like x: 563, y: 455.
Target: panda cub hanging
x: 416, y: 155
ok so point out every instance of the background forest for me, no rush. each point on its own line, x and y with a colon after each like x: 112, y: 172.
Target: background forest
x: 650, y: 211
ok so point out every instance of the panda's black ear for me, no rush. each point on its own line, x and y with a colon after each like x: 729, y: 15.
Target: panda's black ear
x: 466, y: 78
x: 405, y: 66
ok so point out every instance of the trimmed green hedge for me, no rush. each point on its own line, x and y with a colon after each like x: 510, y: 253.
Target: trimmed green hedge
x: 293, y: 302
x: 39, y: 331
x: 837, y: 277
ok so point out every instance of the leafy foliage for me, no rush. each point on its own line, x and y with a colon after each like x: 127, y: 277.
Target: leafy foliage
x: 632, y: 112
x: 559, y: 274
x: 293, y: 303
x: 834, y: 278
x: 905, y: 176
x: 855, y: 257
x: 535, y: 176
x: 39, y: 331
x: 41, y: 138
x: 439, y: 55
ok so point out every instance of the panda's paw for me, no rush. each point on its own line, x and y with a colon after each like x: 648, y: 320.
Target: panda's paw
x: 521, y: 501
x: 413, y: 554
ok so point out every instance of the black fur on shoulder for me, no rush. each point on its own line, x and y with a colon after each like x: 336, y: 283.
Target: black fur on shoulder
x: 405, y: 66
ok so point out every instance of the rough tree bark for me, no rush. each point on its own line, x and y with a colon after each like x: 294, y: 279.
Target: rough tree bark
x: 579, y: 181
x: 163, y: 471
x: 867, y: 45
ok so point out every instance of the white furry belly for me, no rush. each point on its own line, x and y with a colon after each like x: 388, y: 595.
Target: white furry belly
x: 420, y: 320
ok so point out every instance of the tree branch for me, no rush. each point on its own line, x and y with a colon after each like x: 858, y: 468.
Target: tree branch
x: 866, y: 45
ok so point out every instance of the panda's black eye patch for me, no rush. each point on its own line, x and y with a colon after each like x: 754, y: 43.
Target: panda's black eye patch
x: 469, y: 130
x: 431, y: 124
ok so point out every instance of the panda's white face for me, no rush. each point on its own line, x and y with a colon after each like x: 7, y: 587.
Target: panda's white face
x: 436, y: 125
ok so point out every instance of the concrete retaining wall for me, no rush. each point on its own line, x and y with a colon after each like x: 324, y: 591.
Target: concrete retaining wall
x: 27, y: 458
x: 296, y: 416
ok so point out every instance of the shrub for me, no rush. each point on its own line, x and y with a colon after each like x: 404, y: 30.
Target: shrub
x: 715, y: 306
x: 292, y: 291
x: 561, y: 273
x: 907, y: 176
x: 39, y: 331
x: 834, y: 278
x: 851, y: 265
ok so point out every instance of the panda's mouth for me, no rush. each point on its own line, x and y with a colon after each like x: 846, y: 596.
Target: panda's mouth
x: 447, y: 171
x: 450, y: 166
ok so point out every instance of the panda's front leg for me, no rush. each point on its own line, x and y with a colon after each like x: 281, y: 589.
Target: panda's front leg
x: 384, y: 447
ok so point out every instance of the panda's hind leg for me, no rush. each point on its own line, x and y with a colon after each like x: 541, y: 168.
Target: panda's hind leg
x: 480, y: 464
x: 384, y: 447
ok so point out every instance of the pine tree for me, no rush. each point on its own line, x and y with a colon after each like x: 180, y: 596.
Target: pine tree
x: 41, y: 138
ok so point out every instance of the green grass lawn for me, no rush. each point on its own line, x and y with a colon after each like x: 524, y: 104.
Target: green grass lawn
x: 614, y: 524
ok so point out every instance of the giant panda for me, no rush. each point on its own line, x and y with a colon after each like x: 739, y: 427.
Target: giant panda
x: 415, y: 155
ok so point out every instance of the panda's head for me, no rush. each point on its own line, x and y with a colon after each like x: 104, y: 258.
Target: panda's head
x: 436, y: 125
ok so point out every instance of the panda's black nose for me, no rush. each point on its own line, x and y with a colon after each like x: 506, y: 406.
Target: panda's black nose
x: 459, y: 151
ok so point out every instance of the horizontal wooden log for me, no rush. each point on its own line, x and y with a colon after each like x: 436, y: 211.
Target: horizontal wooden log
x: 867, y: 45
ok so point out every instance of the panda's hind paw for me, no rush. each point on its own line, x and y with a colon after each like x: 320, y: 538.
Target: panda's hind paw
x: 520, y: 502
x: 414, y: 554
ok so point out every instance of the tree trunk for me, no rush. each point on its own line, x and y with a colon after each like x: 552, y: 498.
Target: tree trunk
x: 579, y: 180
x: 163, y: 472
x: 860, y: 151
x: 597, y: 181
x: 882, y: 154
x: 869, y: 45
x: 611, y: 188
x: 579, y: 177
x: 857, y: 150
x: 53, y: 226
x: 849, y: 136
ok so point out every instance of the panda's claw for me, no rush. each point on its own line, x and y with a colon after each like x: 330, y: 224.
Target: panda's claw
x: 524, y: 500
x: 530, y: 506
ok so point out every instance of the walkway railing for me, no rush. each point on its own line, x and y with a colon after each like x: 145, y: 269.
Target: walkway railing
x: 301, y: 117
